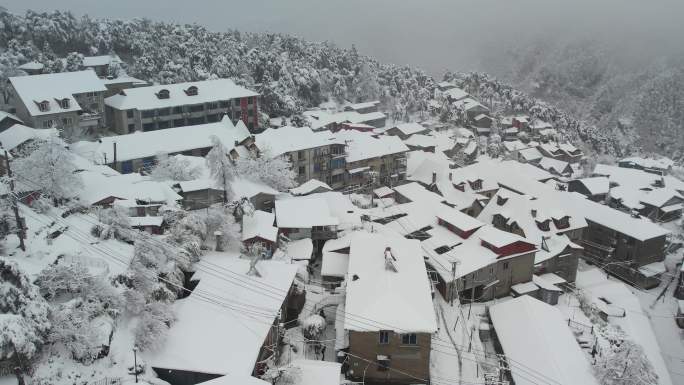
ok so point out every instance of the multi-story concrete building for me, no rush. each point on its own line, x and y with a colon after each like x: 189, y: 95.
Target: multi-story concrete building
x: 388, y: 283
x: 64, y: 100
x: 314, y: 155
x: 380, y: 159
x: 183, y: 104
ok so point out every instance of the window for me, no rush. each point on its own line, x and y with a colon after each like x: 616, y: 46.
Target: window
x: 191, y: 91
x: 149, y: 127
x: 237, y: 102
x: 148, y: 114
x: 67, y: 121
x: 64, y: 103
x: 212, y: 118
x: 163, y: 112
x: 129, y: 113
x: 196, y: 121
x: 337, y: 178
x: 337, y: 163
x: 163, y: 94
x: 505, y: 265
x: 409, y: 339
x: 44, y: 106
x: 250, y: 126
x: 179, y: 122
x: 178, y: 110
x: 383, y: 337
x: 127, y: 167
x: 163, y: 124
x: 250, y: 113
x: 250, y: 101
x: 301, y: 155
x: 197, y: 108
x: 131, y: 128
x: 212, y: 106
x: 302, y: 170
x: 224, y: 103
x: 48, y: 123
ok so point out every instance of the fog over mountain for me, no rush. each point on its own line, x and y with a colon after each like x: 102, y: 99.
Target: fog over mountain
x: 432, y: 34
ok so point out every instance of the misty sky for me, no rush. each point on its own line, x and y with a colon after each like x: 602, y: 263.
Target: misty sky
x: 432, y: 34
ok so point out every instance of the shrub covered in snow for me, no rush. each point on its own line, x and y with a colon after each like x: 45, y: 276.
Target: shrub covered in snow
x: 275, y: 172
x: 24, y: 324
x: 154, y: 324
x: 313, y: 326
x: 114, y: 223
x: 174, y: 168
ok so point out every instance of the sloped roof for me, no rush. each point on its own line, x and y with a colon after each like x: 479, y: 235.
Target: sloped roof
x: 304, y: 212
x: 145, y: 98
x: 535, y: 335
x: 259, y: 224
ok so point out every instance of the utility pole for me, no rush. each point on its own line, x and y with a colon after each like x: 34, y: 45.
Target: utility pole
x: 15, y: 205
x: 453, y: 281
x: 135, y: 362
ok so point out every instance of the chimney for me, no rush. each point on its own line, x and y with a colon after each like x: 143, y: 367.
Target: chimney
x: 434, y: 177
x: 534, y: 213
x: 114, y: 153
x: 451, y: 176
x: 237, y: 143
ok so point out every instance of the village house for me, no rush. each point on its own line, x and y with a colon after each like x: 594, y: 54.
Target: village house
x: 556, y: 167
x: 199, y: 193
x: 65, y: 100
x: 373, y: 159
x: 180, y: 105
x: 32, y: 68
x: 660, y: 166
x: 483, y: 121
x: 444, y: 86
x: 387, y: 282
x: 405, y: 130
x: 103, y: 65
x: 8, y: 120
x: 536, y: 126
x: 324, y: 120
x: 259, y: 232
x: 454, y: 94
x: 364, y: 107
x: 529, y: 155
x: 470, y: 107
x: 260, y: 195
x: 312, y: 186
x: 306, y: 217
x: 561, y: 151
x: 554, y: 232
x: 594, y: 188
x: 418, y: 142
x: 207, y: 340
x: 515, y: 321
x: 314, y: 155
x: 137, y: 152
x: 123, y: 82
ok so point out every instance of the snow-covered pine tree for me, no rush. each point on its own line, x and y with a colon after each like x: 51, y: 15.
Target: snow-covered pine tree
x: 24, y: 324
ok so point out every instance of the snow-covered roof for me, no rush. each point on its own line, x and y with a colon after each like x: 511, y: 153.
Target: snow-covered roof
x: 659, y: 197
x: 310, y: 186
x: 299, y: 250
x: 198, y: 185
x: 334, y: 264
x: 19, y: 134
x: 383, y: 191
x: 535, y: 335
x: 133, y: 187
x: 596, y: 185
x: 145, y: 98
x: 320, y: 118
x: 460, y: 220
x: 363, y: 145
x: 544, y: 284
x: 243, y: 187
x: 419, y: 140
x: 232, y: 379
x: 304, y: 212
x: 225, y: 336
x: 539, y: 124
x: 524, y: 288
x: 661, y: 163
x: 317, y: 372
x: 259, y: 224
x: 498, y: 238
x: 6, y: 115
x: 171, y: 140
x: 100, y: 60
x: 56, y: 86
x: 288, y: 138
x: 410, y: 128
x: 530, y: 154
x: 364, y: 105
x: 553, y: 165
x: 456, y: 93
x: 398, y: 300
x: 31, y: 66
x: 123, y: 79
x: 515, y: 145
